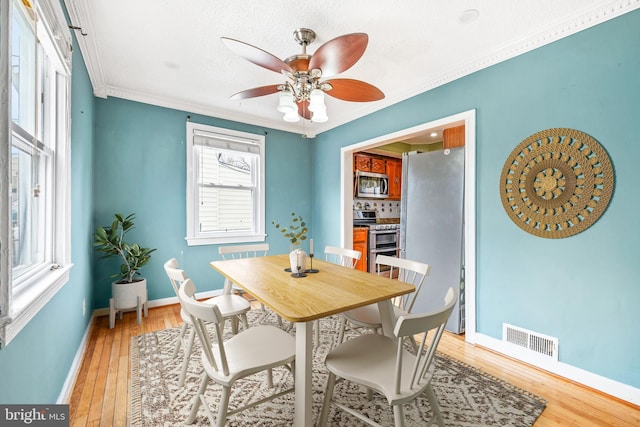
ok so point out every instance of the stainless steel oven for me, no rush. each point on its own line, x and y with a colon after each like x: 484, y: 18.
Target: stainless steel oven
x: 384, y: 239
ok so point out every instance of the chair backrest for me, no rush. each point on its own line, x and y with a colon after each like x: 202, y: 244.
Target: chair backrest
x: 409, y: 271
x: 341, y: 256
x: 430, y: 327
x: 243, y: 251
x: 176, y: 275
x: 201, y: 314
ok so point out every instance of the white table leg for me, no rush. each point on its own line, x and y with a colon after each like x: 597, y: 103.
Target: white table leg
x: 303, y: 376
x: 387, y: 317
x: 227, y: 287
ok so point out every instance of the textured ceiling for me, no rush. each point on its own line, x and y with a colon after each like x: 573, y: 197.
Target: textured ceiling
x: 169, y: 53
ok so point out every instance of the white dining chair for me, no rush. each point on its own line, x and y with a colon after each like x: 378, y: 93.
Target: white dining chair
x: 226, y: 362
x: 233, y: 307
x: 384, y: 365
x: 246, y: 251
x: 341, y: 256
x: 368, y: 317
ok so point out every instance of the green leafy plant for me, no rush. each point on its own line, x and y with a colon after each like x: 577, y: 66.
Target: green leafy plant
x: 296, y: 232
x: 110, y: 241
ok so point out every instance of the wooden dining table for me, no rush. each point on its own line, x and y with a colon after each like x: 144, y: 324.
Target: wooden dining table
x: 301, y: 300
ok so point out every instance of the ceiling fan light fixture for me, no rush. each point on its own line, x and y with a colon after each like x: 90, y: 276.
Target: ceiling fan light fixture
x: 320, y: 115
x: 285, y: 102
x: 291, y: 116
x: 316, y: 101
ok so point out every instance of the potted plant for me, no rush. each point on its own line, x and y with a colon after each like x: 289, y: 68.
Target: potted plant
x: 295, y: 233
x: 128, y: 291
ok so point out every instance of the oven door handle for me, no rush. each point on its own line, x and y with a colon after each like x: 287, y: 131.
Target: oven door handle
x: 385, y: 231
x: 377, y: 251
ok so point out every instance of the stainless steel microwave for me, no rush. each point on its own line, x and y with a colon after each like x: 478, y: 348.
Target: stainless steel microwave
x: 372, y: 185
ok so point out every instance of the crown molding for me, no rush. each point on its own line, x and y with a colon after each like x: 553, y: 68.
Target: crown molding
x: 80, y: 17
x: 196, y: 108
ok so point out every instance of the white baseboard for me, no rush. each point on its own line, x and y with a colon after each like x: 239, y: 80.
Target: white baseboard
x: 614, y: 388
x: 67, y: 387
x: 162, y: 302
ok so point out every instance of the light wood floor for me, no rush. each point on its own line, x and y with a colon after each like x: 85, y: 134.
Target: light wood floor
x: 100, y: 396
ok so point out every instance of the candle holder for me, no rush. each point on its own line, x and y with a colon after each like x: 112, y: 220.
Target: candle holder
x: 311, y: 270
x: 299, y: 273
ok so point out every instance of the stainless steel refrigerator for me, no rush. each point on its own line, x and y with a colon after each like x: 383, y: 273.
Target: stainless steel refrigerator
x: 431, y: 226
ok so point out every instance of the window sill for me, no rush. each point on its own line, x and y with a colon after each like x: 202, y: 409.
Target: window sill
x: 198, y: 241
x: 27, y: 303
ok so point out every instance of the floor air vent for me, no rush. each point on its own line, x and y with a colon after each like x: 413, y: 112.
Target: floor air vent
x: 536, y: 343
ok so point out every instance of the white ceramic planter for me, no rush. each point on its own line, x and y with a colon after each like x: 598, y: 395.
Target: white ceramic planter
x: 128, y: 296
x: 125, y: 295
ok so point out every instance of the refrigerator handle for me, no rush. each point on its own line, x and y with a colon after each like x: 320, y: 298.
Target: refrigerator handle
x: 403, y: 205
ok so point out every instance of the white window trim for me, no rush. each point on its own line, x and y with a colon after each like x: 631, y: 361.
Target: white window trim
x: 192, y: 238
x: 19, y: 307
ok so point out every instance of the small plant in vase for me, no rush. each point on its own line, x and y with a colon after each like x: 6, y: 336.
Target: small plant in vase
x: 296, y: 233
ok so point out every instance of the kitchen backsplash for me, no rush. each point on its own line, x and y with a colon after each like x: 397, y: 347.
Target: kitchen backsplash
x: 386, y: 209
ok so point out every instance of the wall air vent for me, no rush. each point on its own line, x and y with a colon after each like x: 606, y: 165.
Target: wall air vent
x: 538, y: 344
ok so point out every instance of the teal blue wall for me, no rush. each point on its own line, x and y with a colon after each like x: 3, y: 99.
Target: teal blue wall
x: 34, y: 366
x: 141, y: 167
x: 582, y: 289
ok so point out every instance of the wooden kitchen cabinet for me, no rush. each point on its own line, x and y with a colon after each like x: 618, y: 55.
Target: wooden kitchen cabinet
x: 367, y: 163
x: 360, y: 238
x: 362, y: 162
x: 393, y: 169
x: 378, y: 165
x: 453, y: 137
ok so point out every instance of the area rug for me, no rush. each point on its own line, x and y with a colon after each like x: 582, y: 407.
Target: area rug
x: 467, y: 396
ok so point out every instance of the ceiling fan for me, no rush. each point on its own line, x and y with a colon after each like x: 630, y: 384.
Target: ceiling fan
x: 302, y: 94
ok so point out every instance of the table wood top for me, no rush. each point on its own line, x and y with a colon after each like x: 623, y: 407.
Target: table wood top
x: 332, y: 290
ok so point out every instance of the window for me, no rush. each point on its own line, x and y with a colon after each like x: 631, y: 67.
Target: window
x: 36, y: 229
x: 225, y: 186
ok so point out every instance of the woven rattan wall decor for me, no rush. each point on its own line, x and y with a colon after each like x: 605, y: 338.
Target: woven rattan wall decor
x: 556, y: 183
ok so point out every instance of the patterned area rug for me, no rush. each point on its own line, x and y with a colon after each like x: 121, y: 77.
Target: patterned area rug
x: 467, y: 396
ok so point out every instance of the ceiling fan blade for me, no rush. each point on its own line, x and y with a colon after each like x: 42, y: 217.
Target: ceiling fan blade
x: 354, y: 90
x: 256, y: 55
x: 303, y: 110
x: 255, y: 92
x: 339, y: 54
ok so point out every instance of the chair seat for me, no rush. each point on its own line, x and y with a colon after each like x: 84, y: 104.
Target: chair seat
x: 230, y: 304
x: 369, y: 315
x: 185, y: 317
x: 370, y: 360
x: 253, y: 350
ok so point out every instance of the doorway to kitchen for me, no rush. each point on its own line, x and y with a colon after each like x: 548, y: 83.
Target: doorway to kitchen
x: 417, y: 133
